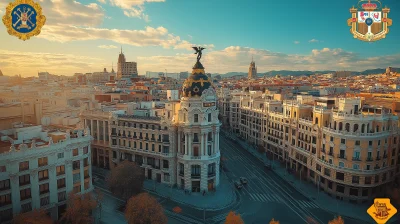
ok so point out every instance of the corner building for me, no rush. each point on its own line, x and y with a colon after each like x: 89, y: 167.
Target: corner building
x: 347, y: 149
x: 178, y: 147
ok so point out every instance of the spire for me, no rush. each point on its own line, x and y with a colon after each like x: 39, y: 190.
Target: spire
x: 121, y: 49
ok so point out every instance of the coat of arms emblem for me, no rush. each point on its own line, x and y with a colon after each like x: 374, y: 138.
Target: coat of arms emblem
x: 369, y: 21
x: 24, y: 19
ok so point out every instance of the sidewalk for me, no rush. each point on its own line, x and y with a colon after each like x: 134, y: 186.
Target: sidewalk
x: 324, y: 201
x: 222, y: 198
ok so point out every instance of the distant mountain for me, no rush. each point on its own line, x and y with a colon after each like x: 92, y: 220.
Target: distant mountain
x: 299, y: 73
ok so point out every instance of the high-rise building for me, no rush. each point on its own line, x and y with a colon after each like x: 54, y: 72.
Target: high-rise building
x: 126, y: 69
x: 252, y: 70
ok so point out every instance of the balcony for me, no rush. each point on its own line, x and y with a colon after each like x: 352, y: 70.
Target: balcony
x: 195, y: 176
x: 356, y: 159
x: 369, y: 159
x: 378, y: 158
x: 195, y: 157
x: 181, y: 174
x: 385, y: 156
x: 330, y: 153
x: 341, y: 156
x: 211, y: 174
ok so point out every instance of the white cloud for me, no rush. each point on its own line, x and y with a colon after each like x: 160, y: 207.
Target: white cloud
x: 313, y: 41
x: 235, y: 58
x: 133, y: 8
x: 296, y: 42
x: 102, y: 1
x: 29, y: 63
x: 107, y: 46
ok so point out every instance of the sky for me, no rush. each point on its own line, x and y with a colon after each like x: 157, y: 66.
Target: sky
x: 87, y: 35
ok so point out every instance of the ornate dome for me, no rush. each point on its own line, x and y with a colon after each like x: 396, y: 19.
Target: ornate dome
x: 197, y: 82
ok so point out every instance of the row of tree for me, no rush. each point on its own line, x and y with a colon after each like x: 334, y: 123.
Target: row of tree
x: 233, y: 218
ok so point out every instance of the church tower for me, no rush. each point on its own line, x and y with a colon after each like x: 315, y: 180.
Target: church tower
x: 198, y: 133
x: 252, y: 70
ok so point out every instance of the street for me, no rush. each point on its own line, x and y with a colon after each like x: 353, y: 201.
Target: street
x: 267, y: 195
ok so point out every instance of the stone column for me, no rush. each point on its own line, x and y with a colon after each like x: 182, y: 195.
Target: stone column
x: 190, y: 139
x: 35, y: 190
x: 214, y: 142
x: 104, y: 131
x: 179, y: 142
x: 15, y: 195
x: 98, y: 129
x: 202, y: 144
x: 186, y: 143
x: 91, y: 127
x: 217, y: 140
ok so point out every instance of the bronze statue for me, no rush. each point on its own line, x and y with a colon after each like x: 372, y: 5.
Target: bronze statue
x: 198, y: 52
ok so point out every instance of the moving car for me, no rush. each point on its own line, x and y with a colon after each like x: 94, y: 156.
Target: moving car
x: 243, y: 180
x: 238, y: 185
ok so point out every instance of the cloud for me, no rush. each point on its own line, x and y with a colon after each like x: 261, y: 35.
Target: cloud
x: 107, y: 46
x: 190, y: 37
x: 296, y: 42
x: 236, y: 58
x: 313, y: 41
x: 29, y: 63
x: 133, y: 8
x: 102, y: 1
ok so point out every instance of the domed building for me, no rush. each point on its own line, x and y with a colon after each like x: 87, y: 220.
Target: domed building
x: 198, y: 134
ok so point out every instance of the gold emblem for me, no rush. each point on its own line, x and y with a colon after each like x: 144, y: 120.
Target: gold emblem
x: 24, y: 19
x: 369, y: 22
x: 381, y: 211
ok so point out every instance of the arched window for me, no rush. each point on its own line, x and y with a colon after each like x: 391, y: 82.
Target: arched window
x: 340, y: 126
x: 334, y: 125
x: 316, y: 120
x: 363, y: 128
x: 347, y: 127
x: 355, y: 128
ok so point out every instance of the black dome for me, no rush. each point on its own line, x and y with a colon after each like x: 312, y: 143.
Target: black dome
x: 196, y: 83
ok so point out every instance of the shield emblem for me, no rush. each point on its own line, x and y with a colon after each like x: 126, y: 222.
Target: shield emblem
x: 369, y: 21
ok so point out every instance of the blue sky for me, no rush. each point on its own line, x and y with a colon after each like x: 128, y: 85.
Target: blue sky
x: 85, y: 36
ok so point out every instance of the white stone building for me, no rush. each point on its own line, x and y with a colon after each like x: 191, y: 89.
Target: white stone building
x: 39, y: 168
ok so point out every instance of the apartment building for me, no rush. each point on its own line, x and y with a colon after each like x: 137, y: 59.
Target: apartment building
x: 176, y: 142
x: 349, y: 149
x: 39, y: 167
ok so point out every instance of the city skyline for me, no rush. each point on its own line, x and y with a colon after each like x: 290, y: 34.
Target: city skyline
x: 86, y: 36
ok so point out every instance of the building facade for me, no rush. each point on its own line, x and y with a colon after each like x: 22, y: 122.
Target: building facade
x: 39, y: 168
x: 126, y: 70
x: 178, y: 146
x: 350, y: 150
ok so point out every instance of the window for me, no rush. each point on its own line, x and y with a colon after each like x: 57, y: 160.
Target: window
x: 209, y: 117
x: 75, y: 152
x: 341, y: 164
x: 24, y: 180
x: 86, y: 161
x: 319, y: 167
x: 355, y: 179
x: 60, y: 155
x: 327, y: 172
x: 379, y: 142
x: 356, y: 166
x: 25, y: 194
x: 23, y: 166
x: 367, y: 180
x: 166, y: 177
x: 196, y: 170
x: 44, y: 188
x: 376, y: 178
x: 196, y: 118
x: 4, y: 184
x: 42, y: 161
x: 331, y: 138
x: 76, y: 165
x: 357, y: 142
x: 165, y: 164
x: 77, y: 178
x: 77, y: 189
x: 370, y: 143
x: 60, y: 183
x: 343, y: 141
x: 60, y: 170
x: 43, y: 175
x: 181, y: 169
x: 209, y: 150
x: 339, y: 176
x: 211, y: 169
x: 85, y: 150
x: 3, y: 169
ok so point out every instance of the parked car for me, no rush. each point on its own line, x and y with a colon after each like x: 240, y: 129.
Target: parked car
x: 243, y: 180
x: 268, y: 166
x: 238, y: 185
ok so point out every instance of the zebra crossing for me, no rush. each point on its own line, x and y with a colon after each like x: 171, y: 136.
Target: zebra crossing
x: 265, y: 197
x: 276, y: 198
x: 307, y: 204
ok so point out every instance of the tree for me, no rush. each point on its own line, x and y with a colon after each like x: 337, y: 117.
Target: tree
x: 273, y: 221
x: 79, y: 209
x: 232, y: 218
x: 126, y: 180
x: 337, y: 220
x: 144, y: 209
x: 38, y: 216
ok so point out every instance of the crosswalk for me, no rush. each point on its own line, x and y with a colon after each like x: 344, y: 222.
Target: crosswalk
x: 276, y: 198
x: 265, y: 197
